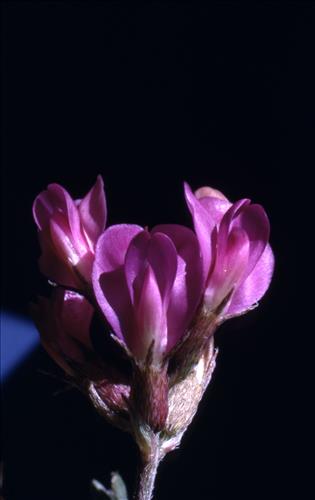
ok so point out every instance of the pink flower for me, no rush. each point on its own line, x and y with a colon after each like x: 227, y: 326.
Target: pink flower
x: 64, y: 323
x: 237, y: 259
x: 163, y: 293
x: 68, y: 232
x: 148, y: 285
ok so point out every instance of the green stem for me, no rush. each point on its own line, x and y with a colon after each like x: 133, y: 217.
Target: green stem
x: 147, y: 475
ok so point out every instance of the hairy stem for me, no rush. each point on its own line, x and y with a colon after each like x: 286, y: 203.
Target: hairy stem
x: 147, y: 474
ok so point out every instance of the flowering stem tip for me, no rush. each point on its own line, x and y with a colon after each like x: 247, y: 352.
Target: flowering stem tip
x: 132, y: 316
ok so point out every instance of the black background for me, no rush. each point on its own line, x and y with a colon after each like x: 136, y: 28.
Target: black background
x: 150, y: 96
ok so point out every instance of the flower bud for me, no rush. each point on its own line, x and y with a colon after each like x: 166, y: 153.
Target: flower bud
x: 64, y: 322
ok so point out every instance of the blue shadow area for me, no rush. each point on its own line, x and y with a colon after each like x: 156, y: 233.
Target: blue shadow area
x: 19, y: 338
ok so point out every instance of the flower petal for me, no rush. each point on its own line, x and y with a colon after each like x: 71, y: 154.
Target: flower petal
x: 64, y: 204
x: 207, y: 191
x: 93, y: 211
x: 254, y: 221
x: 158, y: 251
x: 215, y: 207
x: 135, y: 263
x: 223, y: 232
x: 255, y: 285
x: 229, y: 269
x: 43, y: 209
x: 64, y: 326
x: 162, y: 257
x: 189, y: 283
x: 113, y: 245
x: 52, y: 266
x: 108, y: 277
x: 150, y: 318
x: 76, y: 316
x: 204, y: 224
x: 62, y: 242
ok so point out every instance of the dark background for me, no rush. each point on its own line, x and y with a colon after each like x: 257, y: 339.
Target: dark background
x: 150, y: 96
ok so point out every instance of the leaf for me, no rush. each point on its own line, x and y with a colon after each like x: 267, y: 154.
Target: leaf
x: 118, y: 489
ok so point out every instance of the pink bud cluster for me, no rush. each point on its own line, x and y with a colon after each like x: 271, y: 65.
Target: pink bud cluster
x: 159, y: 293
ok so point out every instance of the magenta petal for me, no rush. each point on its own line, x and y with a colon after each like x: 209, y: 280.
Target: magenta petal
x: 108, y: 276
x: 159, y: 252
x: 60, y: 233
x: 254, y: 221
x: 204, y: 225
x: 150, y: 318
x: 215, y: 207
x: 93, y: 211
x: 56, y: 200
x: 236, y: 257
x: 52, y: 266
x: 63, y: 244
x: 63, y: 203
x: 189, y: 283
x: 162, y: 258
x: 76, y: 317
x: 64, y: 324
x: 135, y: 263
x: 113, y: 245
x: 255, y: 285
x: 224, y: 229
x: 42, y: 209
x: 229, y: 269
x: 73, y: 314
x: 113, y: 297
x: 227, y: 219
x: 207, y: 191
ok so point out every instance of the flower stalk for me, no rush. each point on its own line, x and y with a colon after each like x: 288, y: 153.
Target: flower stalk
x: 147, y: 471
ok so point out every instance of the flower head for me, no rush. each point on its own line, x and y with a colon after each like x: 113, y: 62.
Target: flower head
x: 163, y: 293
x: 68, y: 232
x: 237, y: 259
x: 148, y: 285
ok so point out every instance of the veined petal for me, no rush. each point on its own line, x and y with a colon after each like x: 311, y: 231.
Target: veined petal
x: 113, y: 245
x: 150, y: 318
x: 254, y: 221
x: 43, y: 209
x: 204, y: 224
x: 215, y: 207
x: 56, y: 204
x: 76, y: 316
x: 61, y: 233
x: 64, y: 204
x: 255, y: 285
x: 162, y: 257
x: 109, y: 281
x: 158, y: 251
x: 229, y: 269
x: 136, y: 262
x: 93, y: 212
x: 223, y: 232
x: 189, y: 283
x: 52, y: 265
x: 62, y: 241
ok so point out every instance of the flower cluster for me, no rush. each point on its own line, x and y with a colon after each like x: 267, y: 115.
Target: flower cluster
x: 155, y: 298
